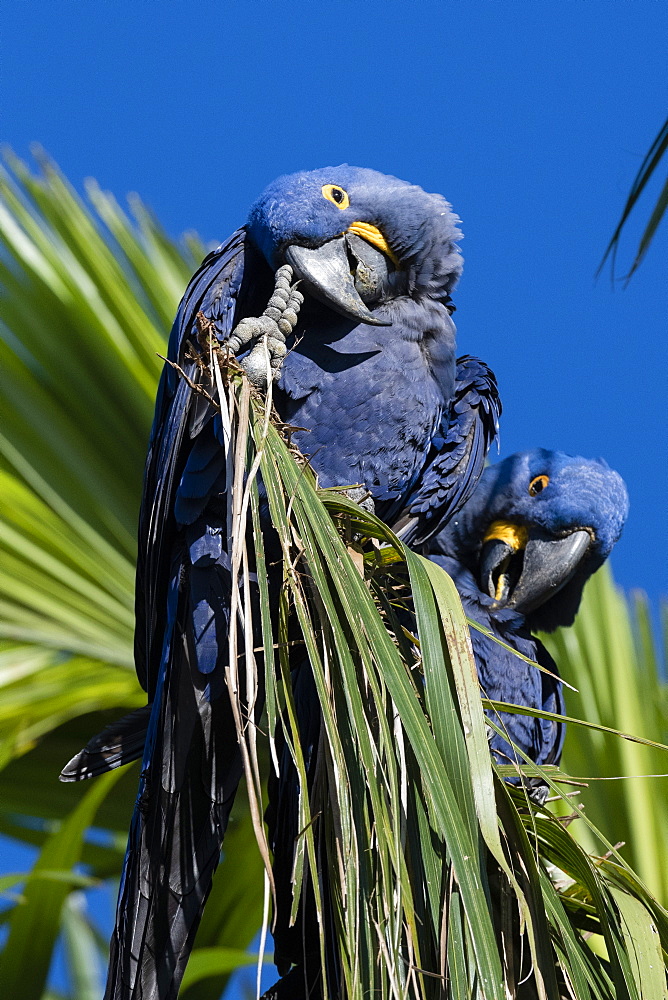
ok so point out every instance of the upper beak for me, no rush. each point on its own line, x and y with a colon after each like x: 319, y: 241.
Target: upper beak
x: 326, y: 274
x: 524, y: 579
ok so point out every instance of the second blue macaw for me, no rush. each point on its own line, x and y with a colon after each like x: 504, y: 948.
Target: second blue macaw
x: 520, y: 552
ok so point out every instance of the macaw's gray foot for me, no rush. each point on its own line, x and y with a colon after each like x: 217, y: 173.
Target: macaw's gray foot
x: 361, y: 496
x: 269, y: 331
x: 537, y: 791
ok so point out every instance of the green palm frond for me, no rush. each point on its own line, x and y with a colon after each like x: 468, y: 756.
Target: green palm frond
x: 649, y: 165
x: 409, y: 788
x: 85, y: 301
x: 610, y: 654
x: 87, y: 296
x: 433, y: 860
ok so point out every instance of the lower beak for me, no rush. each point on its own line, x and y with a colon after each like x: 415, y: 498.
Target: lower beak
x: 326, y: 274
x: 526, y: 579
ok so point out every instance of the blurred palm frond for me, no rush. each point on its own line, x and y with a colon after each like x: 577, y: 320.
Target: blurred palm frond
x: 87, y: 296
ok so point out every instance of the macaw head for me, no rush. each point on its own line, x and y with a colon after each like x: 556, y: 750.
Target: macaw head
x: 356, y: 237
x: 536, y: 528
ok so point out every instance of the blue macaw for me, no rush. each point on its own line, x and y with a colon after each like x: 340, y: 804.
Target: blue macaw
x: 520, y: 552
x: 363, y: 355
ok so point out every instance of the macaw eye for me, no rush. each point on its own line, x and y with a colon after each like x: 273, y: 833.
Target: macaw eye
x: 336, y: 195
x: 537, y: 485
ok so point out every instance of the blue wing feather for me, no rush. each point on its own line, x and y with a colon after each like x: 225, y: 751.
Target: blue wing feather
x: 216, y: 287
x: 459, y: 450
x: 505, y: 677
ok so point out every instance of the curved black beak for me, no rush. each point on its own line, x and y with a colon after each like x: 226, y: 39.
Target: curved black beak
x: 327, y: 275
x: 499, y: 562
x: 524, y: 579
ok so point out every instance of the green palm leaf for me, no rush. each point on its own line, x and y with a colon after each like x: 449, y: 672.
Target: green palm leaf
x: 649, y: 165
x: 441, y: 860
x: 86, y: 300
x: 610, y: 654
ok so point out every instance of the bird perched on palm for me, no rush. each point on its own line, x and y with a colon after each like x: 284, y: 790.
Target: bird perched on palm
x: 520, y: 552
x: 365, y: 366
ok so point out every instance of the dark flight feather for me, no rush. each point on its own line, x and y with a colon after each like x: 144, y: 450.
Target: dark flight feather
x: 458, y: 454
x: 119, y: 743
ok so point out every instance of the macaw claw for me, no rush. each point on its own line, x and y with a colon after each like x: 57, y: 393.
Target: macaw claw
x: 269, y: 331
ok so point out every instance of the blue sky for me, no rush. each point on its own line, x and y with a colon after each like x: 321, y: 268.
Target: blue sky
x: 531, y: 117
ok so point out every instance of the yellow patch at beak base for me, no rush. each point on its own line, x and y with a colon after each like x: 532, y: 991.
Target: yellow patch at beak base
x: 515, y: 536
x: 373, y: 236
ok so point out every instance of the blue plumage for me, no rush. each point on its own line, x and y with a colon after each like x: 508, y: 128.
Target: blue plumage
x: 580, y: 494
x: 390, y: 387
x: 555, y: 498
x: 203, y: 475
x: 371, y: 372
x: 458, y: 452
x: 505, y: 677
x: 420, y: 228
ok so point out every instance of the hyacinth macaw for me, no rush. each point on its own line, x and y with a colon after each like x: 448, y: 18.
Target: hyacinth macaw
x: 363, y: 355
x: 520, y: 552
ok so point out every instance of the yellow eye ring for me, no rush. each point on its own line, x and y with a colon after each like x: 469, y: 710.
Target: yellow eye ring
x: 537, y: 485
x: 336, y: 194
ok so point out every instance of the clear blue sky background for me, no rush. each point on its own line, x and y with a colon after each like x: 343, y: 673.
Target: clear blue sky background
x: 531, y: 116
